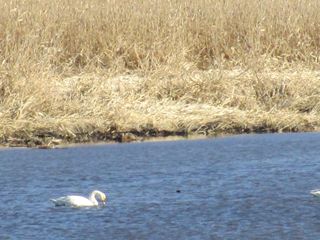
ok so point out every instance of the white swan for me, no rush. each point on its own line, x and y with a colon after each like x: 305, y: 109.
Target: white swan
x: 79, y: 201
x: 315, y: 192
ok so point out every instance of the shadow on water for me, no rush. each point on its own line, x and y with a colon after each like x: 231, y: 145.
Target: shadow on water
x: 238, y: 187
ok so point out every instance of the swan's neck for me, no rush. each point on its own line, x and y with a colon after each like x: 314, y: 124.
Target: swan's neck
x: 93, y: 198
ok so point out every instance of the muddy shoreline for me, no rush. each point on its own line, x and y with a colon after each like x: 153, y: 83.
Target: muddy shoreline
x: 48, y: 140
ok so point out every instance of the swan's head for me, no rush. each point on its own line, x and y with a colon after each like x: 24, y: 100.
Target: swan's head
x: 101, y: 195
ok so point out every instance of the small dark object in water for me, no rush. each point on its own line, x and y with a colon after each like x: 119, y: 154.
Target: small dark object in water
x: 178, y: 191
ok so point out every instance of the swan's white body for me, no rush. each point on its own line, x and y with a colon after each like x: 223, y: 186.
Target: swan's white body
x: 315, y: 192
x: 79, y: 201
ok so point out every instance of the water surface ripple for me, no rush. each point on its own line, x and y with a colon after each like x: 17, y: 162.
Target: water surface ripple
x: 239, y: 187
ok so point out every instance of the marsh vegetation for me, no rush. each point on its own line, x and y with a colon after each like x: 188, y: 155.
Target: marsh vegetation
x: 118, y: 69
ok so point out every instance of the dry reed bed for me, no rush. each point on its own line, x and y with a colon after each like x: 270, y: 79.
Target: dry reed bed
x: 81, y: 71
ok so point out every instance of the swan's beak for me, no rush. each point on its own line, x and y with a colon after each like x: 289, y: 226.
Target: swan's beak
x: 104, y: 200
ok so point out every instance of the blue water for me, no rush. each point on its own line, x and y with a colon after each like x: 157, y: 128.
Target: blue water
x: 239, y: 187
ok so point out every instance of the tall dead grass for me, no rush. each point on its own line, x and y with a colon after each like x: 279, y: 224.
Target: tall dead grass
x: 91, y: 70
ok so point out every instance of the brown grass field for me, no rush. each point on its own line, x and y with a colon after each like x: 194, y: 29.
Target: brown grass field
x: 80, y: 71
